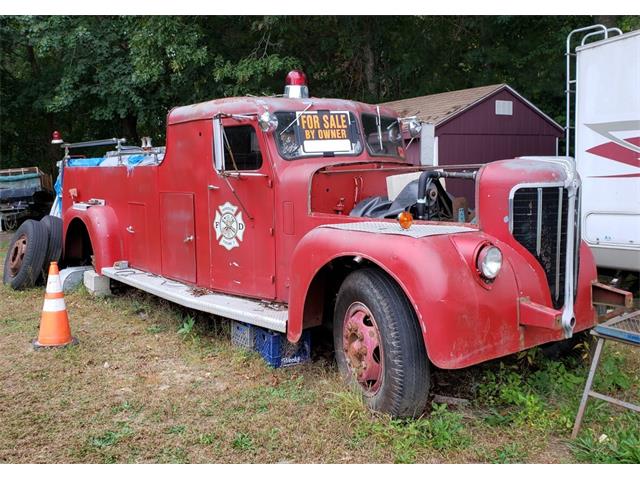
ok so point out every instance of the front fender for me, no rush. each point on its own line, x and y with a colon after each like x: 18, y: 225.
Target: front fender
x: 102, y: 226
x: 462, y: 321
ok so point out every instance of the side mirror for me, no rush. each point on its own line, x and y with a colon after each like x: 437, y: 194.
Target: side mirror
x: 218, y: 145
x: 414, y: 127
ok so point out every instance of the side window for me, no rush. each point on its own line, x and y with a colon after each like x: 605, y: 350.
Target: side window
x: 241, y: 148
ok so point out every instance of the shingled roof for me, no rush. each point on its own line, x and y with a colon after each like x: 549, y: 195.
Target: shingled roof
x: 440, y: 107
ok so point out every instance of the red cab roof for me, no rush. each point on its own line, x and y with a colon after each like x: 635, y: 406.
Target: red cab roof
x: 250, y: 105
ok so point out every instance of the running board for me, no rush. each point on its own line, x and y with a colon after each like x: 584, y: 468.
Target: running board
x: 255, y: 312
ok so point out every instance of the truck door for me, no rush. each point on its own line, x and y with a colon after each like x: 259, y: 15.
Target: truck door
x: 242, y: 245
x: 137, y: 238
x: 177, y: 231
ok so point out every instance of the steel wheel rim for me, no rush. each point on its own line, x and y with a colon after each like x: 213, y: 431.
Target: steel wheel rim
x: 362, y: 348
x: 16, y: 255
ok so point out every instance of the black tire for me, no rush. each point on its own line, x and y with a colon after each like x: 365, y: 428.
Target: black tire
x: 402, y: 387
x: 54, y: 227
x: 24, y: 262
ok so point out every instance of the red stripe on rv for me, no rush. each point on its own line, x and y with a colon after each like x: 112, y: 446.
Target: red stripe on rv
x: 618, y: 153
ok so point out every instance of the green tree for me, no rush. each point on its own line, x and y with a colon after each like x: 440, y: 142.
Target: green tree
x: 99, y: 77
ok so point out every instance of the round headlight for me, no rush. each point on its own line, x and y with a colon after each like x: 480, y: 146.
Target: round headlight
x: 268, y: 122
x: 489, y: 262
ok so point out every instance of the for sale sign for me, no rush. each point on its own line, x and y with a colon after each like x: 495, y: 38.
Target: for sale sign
x: 324, y: 131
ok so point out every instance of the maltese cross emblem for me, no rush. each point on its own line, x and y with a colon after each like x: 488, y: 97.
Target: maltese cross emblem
x: 229, y: 226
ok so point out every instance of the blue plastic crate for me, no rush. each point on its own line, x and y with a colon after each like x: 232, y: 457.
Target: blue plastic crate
x: 278, y: 352
x: 243, y: 335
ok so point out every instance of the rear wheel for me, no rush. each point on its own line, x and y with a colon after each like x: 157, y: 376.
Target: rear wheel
x: 378, y: 344
x: 24, y: 262
x: 54, y: 227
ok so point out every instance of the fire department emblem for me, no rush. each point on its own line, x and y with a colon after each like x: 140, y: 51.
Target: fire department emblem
x: 229, y: 226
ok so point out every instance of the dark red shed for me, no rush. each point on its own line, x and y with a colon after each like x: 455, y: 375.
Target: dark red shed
x: 478, y: 125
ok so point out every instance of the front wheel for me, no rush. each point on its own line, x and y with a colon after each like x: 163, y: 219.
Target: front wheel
x: 378, y: 344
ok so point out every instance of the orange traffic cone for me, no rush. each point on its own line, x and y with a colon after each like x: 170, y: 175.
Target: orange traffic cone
x: 54, y: 323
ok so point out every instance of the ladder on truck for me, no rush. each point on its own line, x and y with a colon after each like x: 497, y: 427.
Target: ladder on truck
x: 571, y: 84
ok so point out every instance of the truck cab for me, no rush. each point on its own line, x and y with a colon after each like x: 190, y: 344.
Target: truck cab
x: 293, y: 212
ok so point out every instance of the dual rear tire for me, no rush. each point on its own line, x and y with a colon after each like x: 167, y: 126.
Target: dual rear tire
x: 54, y: 231
x: 378, y: 344
x: 34, y: 245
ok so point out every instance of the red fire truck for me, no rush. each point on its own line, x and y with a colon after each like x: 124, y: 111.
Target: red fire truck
x: 292, y: 212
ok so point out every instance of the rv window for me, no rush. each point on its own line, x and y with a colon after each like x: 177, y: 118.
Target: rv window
x: 241, y: 148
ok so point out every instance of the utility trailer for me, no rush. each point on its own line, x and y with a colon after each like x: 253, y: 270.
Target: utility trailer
x: 296, y: 212
x: 606, y: 119
x: 24, y: 193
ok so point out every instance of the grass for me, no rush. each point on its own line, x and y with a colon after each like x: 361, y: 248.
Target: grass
x: 243, y: 442
x: 544, y: 399
x: 186, y: 329
x: 111, y: 437
x: 510, y: 453
x: 440, y: 431
x: 152, y: 382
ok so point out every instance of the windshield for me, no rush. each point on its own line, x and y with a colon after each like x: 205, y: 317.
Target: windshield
x: 382, y: 135
x: 317, y: 133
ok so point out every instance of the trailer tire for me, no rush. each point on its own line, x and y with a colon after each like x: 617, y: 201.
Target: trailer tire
x: 54, y: 227
x: 24, y: 262
x: 378, y: 344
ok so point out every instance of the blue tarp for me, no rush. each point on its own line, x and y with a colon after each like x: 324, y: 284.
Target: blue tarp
x: 58, y: 186
x: 135, y: 159
x: 95, y: 162
x: 85, y: 162
x: 129, y: 161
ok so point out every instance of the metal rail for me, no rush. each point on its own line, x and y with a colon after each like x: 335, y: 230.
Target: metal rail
x: 95, y: 143
x: 408, y: 168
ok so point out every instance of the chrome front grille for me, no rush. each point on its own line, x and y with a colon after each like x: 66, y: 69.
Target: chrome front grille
x: 539, y: 222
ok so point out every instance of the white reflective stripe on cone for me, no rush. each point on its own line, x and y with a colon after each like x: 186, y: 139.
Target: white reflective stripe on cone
x: 53, y: 284
x: 53, y: 305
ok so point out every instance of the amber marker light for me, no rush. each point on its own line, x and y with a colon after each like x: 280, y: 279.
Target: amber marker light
x: 405, y: 219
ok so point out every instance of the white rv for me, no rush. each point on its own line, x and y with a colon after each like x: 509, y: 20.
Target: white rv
x: 607, y: 143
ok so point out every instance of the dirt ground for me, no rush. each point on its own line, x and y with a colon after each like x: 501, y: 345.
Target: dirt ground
x: 143, y: 386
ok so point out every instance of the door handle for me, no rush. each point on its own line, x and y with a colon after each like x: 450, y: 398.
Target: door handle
x: 130, y: 229
x: 213, y: 187
x: 188, y: 239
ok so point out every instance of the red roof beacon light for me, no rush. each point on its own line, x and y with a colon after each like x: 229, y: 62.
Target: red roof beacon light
x: 296, y: 85
x: 56, y: 138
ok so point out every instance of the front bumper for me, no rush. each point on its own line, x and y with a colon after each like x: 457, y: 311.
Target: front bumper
x: 608, y: 296
x: 535, y: 315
